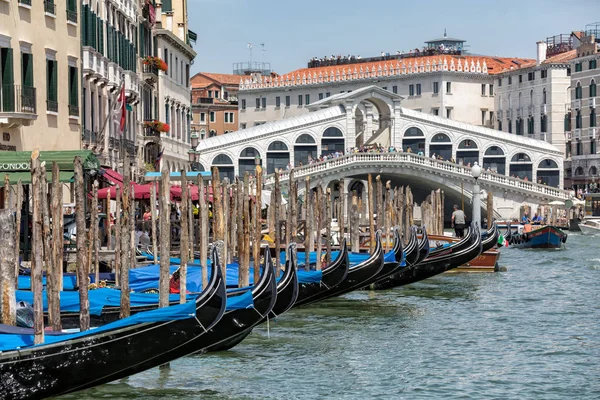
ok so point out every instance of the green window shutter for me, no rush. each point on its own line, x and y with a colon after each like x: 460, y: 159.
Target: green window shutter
x: 83, y: 25
x: 8, y: 79
x: 90, y: 27
x: 141, y: 30
x: 101, y: 35
x: 52, y: 83
x: 73, y: 87
x: 166, y: 6
x: 27, y: 69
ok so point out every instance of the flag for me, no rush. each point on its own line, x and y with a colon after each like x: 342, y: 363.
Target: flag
x: 249, y: 45
x: 121, y: 110
x: 157, y: 160
x: 502, y: 241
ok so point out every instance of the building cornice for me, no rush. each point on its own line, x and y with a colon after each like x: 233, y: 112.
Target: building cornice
x: 175, y: 41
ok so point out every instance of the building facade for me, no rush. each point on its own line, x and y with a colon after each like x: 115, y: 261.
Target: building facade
x: 450, y: 86
x: 531, y: 100
x: 215, y: 103
x: 581, y: 121
x: 40, y: 75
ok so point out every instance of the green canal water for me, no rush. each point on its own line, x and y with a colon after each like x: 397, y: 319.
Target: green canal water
x: 532, y: 332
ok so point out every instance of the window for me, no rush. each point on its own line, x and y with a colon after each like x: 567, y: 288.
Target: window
x: 544, y: 98
x: 520, y: 78
x: 568, y: 71
x: 418, y: 89
x: 264, y: 102
x: 411, y: 90
x: 530, y: 125
x: 277, y: 101
x: 395, y: 89
x: 592, y: 147
x: 257, y: 102
x: 578, y: 91
x: 509, y: 126
x: 7, y: 80
x: 384, y: 88
x: 578, y: 67
x: 436, y: 87
x: 531, y: 76
x: 510, y: 80
x: 202, y: 117
x: 320, y: 96
x: 52, y: 85
x: 435, y: 111
x: 448, y: 112
x: 170, y: 65
x: 229, y: 117
x: 307, y: 99
x: 166, y: 6
x: 543, y: 124
x: 73, y: 92
x: 243, y: 125
x: 210, y: 93
x: 327, y: 94
x: 288, y: 101
x: 499, y: 82
x: 187, y: 75
x: 243, y: 104
x: 212, y: 116
x: 483, y: 89
x: 593, y: 118
x: 449, y: 87
x: 592, y: 64
x: 483, y: 114
x: 491, y: 89
x: 578, y: 124
x: 299, y: 100
x: 544, y: 73
x: 26, y: 70
x: 167, y: 113
x: 592, y: 88
x: 578, y: 149
x: 499, y: 125
x: 72, y: 10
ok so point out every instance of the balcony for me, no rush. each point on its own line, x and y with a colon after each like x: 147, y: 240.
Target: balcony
x: 151, y: 133
x: 114, y: 74
x: 129, y: 147
x: 150, y: 74
x: 17, y: 105
x: 568, y: 136
x: 592, y: 132
x: 132, y: 84
x: 576, y: 104
x: 543, y: 109
x: 577, y: 134
x: 73, y: 111
x: 592, y: 102
x: 52, y: 106
x: 90, y: 138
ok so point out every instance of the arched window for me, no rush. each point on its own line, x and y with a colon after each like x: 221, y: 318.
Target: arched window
x: 305, y: 138
x: 332, y: 141
x: 441, y: 146
x: 521, y: 157
x: 521, y: 166
x: 579, y: 171
x: 249, y: 159
x: 305, y: 149
x: 593, y: 88
x: 593, y: 170
x: 494, y: 160
x: 414, y: 139
x: 544, y: 98
x: 578, y: 91
x: 467, y: 152
x: 225, y: 166
x: 468, y: 144
x: 202, y: 134
x: 222, y: 159
x: 548, y: 173
x: 212, y: 133
x: 278, y: 156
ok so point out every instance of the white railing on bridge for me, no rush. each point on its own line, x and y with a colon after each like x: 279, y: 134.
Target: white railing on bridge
x: 381, y: 159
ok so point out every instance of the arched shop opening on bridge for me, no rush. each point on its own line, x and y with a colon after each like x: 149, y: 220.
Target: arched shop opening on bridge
x: 521, y: 166
x: 441, y: 145
x: 548, y: 173
x: 413, y: 139
x: 467, y: 152
x: 225, y: 166
x: 495, y: 160
x: 249, y: 159
x: 305, y: 149
x: 332, y: 141
x: 278, y: 156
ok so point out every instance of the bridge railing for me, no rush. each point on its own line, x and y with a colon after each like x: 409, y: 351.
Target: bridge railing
x: 381, y: 159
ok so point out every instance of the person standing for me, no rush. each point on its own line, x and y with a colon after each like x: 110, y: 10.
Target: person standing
x: 458, y: 221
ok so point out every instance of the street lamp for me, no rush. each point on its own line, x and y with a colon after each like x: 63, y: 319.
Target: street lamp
x: 476, y: 172
x: 192, y: 153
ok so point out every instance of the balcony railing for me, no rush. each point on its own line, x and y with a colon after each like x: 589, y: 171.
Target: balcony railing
x: 577, y: 104
x: 71, y: 16
x: 73, y: 111
x: 150, y: 69
x: 50, y: 7
x: 592, y: 102
x: 52, y: 106
x: 26, y: 2
x: 543, y: 109
x: 151, y: 132
x: 129, y: 146
x: 18, y: 99
x: 90, y: 136
x: 577, y: 134
x: 568, y: 136
x: 592, y: 133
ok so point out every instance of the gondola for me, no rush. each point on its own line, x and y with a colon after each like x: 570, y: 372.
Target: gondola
x: 225, y: 334
x: 333, y: 275
x: 394, y: 260
x: 415, y: 251
x: 73, y: 362
x: 411, y: 250
x: 424, y: 247
x: 287, y: 293
x: 358, y: 275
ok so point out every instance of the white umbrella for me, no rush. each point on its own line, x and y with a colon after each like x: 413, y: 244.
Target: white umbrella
x: 266, y: 199
x: 557, y: 203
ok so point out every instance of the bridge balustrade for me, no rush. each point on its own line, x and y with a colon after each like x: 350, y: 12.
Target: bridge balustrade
x: 415, y: 159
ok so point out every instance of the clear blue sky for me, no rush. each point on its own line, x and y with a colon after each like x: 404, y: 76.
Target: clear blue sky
x: 294, y: 31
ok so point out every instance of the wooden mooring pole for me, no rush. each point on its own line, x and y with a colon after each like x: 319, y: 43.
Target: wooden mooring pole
x: 319, y: 223
x: 258, y: 225
x: 277, y: 212
x: 17, y: 247
x: 371, y: 206
x: 165, y: 238
x: 184, y: 250
x: 308, y: 233
x: 203, y: 235
x: 55, y: 274
x: 125, y: 240
x: 82, y: 255
x: 7, y: 268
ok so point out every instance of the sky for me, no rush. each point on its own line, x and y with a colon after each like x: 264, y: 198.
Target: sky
x: 293, y: 32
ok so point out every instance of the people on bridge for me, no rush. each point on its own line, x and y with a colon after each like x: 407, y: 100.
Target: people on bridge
x: 537, y: 219
x: 525, y: 220
x: 459, y: 221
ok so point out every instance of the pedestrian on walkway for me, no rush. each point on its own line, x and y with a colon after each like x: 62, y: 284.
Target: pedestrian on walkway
x: 459, y: 220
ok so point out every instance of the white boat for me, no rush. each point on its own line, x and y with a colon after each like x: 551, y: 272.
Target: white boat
x: 590, y: 227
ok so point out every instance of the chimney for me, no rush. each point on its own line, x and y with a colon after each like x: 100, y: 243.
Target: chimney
x: 542, y: 47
